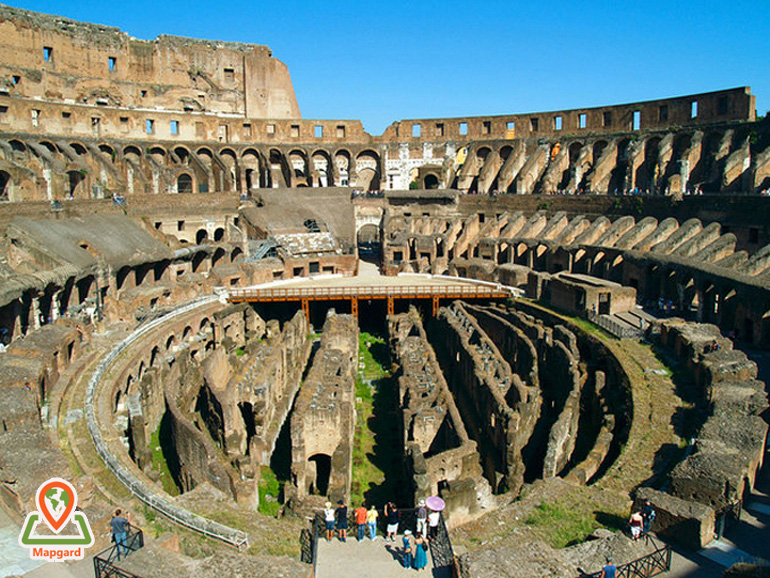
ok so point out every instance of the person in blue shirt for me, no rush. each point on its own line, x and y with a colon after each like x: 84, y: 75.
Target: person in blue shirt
x: 119, y: 526
x: 609, y: 569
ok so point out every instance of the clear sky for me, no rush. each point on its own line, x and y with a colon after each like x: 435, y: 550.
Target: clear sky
x: 382, y: 61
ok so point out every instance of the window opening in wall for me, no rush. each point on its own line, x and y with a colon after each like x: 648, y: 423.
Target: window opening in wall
x: 112, y: 63
x: 229, y: 74
x: 47, y: 53
x: 722, y: 105
x: 3, y: 110
x: 510, y: 128
x: 294, y: 131
x: 158, y: 224
x: 318, y: 131
x: 607, y: 119
x: 486, y: 127
x: 222, y: 133
x: 143, y: 93
x: 557, y: 122
x: 66, y: 115
x: 694, y: 109
x: 416, y: 130
x: 534, y: 124
x: 174, y: 125
x: 341, y: 131
x: 149, y: 126
x: 16, y: 79
x: 582, y: 120
x: 246, y: 130
x: 180, y: 225
x: 463, y: 128
x: 270, y: 129
x: 663, y: 113
x: 637, y: 120
x: 35, y: 117
x: 439, y: 129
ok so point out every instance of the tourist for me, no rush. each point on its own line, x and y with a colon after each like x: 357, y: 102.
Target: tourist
x: 648, y: 516
x: 391, y: 518
x: 371, y: 521
x: 407, y: 551
x: 608, y: 571
x: 329, y: 519
x: 420, y: 551
x: 636, y: 525
x: 433, y: 519
x: 422, y: 518
x: 119, y: 526
x: 361, y: 514
x: 342, y: 521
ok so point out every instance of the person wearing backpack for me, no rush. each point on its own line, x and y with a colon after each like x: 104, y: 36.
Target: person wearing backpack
x: 648, y: 517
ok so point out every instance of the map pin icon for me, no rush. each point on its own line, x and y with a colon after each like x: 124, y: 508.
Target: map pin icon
x: 56, y: 499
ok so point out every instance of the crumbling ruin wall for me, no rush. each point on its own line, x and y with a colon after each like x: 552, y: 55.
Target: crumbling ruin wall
x: 480, y: 380
x: 323, y: 420
x: 729, y: 448
x: 442, y: 459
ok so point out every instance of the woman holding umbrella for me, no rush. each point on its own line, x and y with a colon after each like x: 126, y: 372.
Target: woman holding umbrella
x: 435, y: 506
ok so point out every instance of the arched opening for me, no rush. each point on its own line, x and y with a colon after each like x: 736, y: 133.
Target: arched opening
x: 217, y: 257
x: 342, y: 162
x: 5, y: 186
x: 321, y: 465
x: 170, y: 342
x: 237, y: 252
x: 17, y: 146
x: 184, y: 184
x: 219, y: 234
x: 182, y: 154
x: 368, y: 240
x: 368, y: 169
x: 431, y: 181
x: 201, y: 235
x: 76, y: 183
x: 79, y: 149
x: 322, y: 167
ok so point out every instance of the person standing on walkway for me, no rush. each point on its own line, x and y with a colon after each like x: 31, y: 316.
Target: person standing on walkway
x: 648, y: 517
x: 119, y: 526
x: 391, y: 517
x: 420, y: 551
x: 329, y: 519
x: 371, y: 521
x: 361, y: 514
x: 342, y: 521
x: 407, y: 551
x: 422, y: 518
x: 433, y: 519
x: 609, y: 570
x: 636, y: 525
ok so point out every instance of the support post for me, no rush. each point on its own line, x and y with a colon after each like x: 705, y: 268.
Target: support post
x: 354, y: 307
x: 306, y: 308
x: 435, y: 305
x: 391, y: 306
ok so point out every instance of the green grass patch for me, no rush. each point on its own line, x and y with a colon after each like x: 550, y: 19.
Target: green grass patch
x: 161, y: 466
x: 563, y: 525
x: 269, y: 492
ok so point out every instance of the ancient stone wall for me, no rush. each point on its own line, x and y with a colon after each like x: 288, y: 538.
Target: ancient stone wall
x: 323, y: 419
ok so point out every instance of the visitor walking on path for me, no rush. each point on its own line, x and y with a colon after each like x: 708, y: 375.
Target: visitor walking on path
x: 609, y: 569
x: 361, y: 514
x: 371, y: 521
x: 648, y: 517
x: 391, y: 517
x: 119, y: 526
x: 636, y: 525
x: 407, y: 551
x: 422, y: 518
x: 420, y: 551
x: 329, y: 519
x: 433, y: 518
x: 342, y: 521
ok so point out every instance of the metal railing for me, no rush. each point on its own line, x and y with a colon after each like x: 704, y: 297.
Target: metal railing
x: 144, y: 491
x: 104, y: 561
x: 652, y: 564
x: 368, y: 291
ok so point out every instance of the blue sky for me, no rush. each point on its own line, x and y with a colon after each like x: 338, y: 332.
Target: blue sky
x: 384, y: 61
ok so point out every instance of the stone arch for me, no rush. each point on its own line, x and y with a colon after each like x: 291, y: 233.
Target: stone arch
x: 184, y: 183
x: 182, y: 154
x: 217, y: 256
x: 5, y: 186
x: 251, y: 164
x: 131, y: 151
x: 646, y: 174
x: 17, y: 146
x: 342, y: 164
x: 368, y: 170
x: 279, y: 168
x: 219, y: 234
x: 158, y: 154
x: 79, y: 149
x: 431, y: 181
x: 50, y: 146
x: 237, y: 252
x: 229, y: 177
x: 186, y: 333
x: 322, y: 467
x: 299, y: 167
x: 322, y: 168
x: 76, y: 184
x: 170, y: 342
x: 201, y: 236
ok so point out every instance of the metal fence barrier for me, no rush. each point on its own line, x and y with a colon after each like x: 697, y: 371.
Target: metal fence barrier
x: 131, y: 481
x: 103, y: 561
x: 652, y: 564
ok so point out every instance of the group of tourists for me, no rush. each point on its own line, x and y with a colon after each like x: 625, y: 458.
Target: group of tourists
x: 414, y: 550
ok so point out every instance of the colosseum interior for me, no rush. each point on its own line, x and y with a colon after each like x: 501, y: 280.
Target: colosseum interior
x: 542, y: 318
